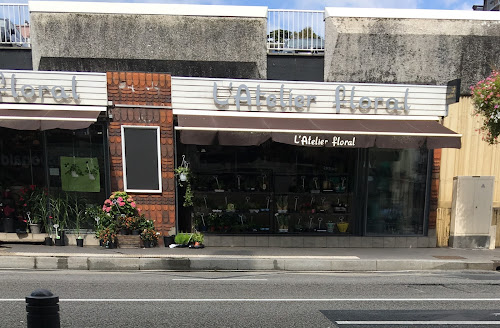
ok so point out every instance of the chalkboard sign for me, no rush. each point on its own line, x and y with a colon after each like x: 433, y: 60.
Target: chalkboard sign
x: 141, y: 158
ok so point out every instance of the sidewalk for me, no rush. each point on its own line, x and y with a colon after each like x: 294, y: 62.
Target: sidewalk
x: 22, y: 256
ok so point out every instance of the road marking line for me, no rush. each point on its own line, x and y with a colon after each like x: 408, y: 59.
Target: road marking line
x: 264, y: 300
x: 217, y: 279
x: 409, y: 323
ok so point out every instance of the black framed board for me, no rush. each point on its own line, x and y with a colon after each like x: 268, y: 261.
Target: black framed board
x: 141, y: 155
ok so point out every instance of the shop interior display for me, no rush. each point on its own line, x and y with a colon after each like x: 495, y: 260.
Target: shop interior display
x: 252, y: 202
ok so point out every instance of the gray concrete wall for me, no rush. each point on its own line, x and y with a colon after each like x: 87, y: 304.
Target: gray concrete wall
x: 15, y: 58
x: 194, y: 45
x: 416, y: 51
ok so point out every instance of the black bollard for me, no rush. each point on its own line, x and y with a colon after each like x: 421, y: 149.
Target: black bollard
x: 42, y: 309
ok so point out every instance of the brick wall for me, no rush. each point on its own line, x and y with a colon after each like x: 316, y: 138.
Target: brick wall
x: 146, y: 89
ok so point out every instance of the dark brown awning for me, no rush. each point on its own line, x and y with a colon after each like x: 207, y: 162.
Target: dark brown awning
x: 350, y: 133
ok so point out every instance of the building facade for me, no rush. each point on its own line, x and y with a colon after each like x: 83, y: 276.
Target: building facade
x: 388, y: 183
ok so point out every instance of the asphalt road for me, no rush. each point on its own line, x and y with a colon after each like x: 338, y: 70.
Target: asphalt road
x: 262, y: 299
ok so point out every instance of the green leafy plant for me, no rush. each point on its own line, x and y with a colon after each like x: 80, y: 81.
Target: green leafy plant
x: 486, y: 99
x: 185, y: 171
x: 59, y: 210
x: 35, y: 201
x: 198, y: 237
x: 77, y: 210
x: 183, y: 238
x: 73, y: 168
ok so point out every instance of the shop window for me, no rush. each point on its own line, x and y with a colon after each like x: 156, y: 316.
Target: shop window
x: 397, y: 181
x: 21, y: 166
x: 271, y: 188
x: 141, y: 159
x: 74, y: 176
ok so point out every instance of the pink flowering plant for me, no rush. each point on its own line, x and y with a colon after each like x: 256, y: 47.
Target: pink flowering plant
x: 120, y: 204
x: 486, y: 98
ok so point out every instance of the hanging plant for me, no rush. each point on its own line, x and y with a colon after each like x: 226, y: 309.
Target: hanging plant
x: 486, y: 98
x: 183, y: 174
x: 73, y: 170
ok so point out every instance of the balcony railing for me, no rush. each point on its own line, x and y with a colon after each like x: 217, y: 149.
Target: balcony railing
x: 295, y: 31
x: 14, y: 25
x: 288, y: 31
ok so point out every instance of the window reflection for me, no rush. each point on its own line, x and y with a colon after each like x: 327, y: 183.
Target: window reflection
x: 396, y: 191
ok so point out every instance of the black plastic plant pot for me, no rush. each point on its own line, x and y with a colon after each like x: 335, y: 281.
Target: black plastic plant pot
x: 48, y: 241
x: 168, y: 240
x: 79, y: 242
x: 59, y: 242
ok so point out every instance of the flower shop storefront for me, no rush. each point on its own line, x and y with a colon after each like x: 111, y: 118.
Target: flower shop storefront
x: 53, y: 151
x: 317, y: 162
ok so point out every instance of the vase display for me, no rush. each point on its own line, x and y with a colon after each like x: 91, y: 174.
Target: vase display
x: 342, y: 226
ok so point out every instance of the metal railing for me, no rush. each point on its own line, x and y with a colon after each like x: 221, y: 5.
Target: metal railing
x: 295, y: 31
x: 14, y: 25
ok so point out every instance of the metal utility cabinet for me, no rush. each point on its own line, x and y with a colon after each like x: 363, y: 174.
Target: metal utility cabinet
x: 471, y: 212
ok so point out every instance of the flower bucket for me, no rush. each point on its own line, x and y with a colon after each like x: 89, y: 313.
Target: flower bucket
x: 342, y: 226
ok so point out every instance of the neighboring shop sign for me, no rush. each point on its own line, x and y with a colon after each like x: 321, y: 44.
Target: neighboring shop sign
x: 61, y: 88
x: 33, y: 92
x: 307, y: 97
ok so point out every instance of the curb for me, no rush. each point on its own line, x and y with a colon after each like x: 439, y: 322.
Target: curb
x: 186, y: 263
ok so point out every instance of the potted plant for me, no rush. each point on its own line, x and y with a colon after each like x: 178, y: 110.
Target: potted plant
x: 73, y: 169
x: 120, y: 204
x: 197, y: 239
x: 108, y: 236
x: 77, y: 210
x: 60, y: 213
x: 33, y: 203
x: 282, y: 204
x: 342, y: 226
x: 282, y: 221
x: 182, y: 239
x: 184, y: 177
x: 150, y: 237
